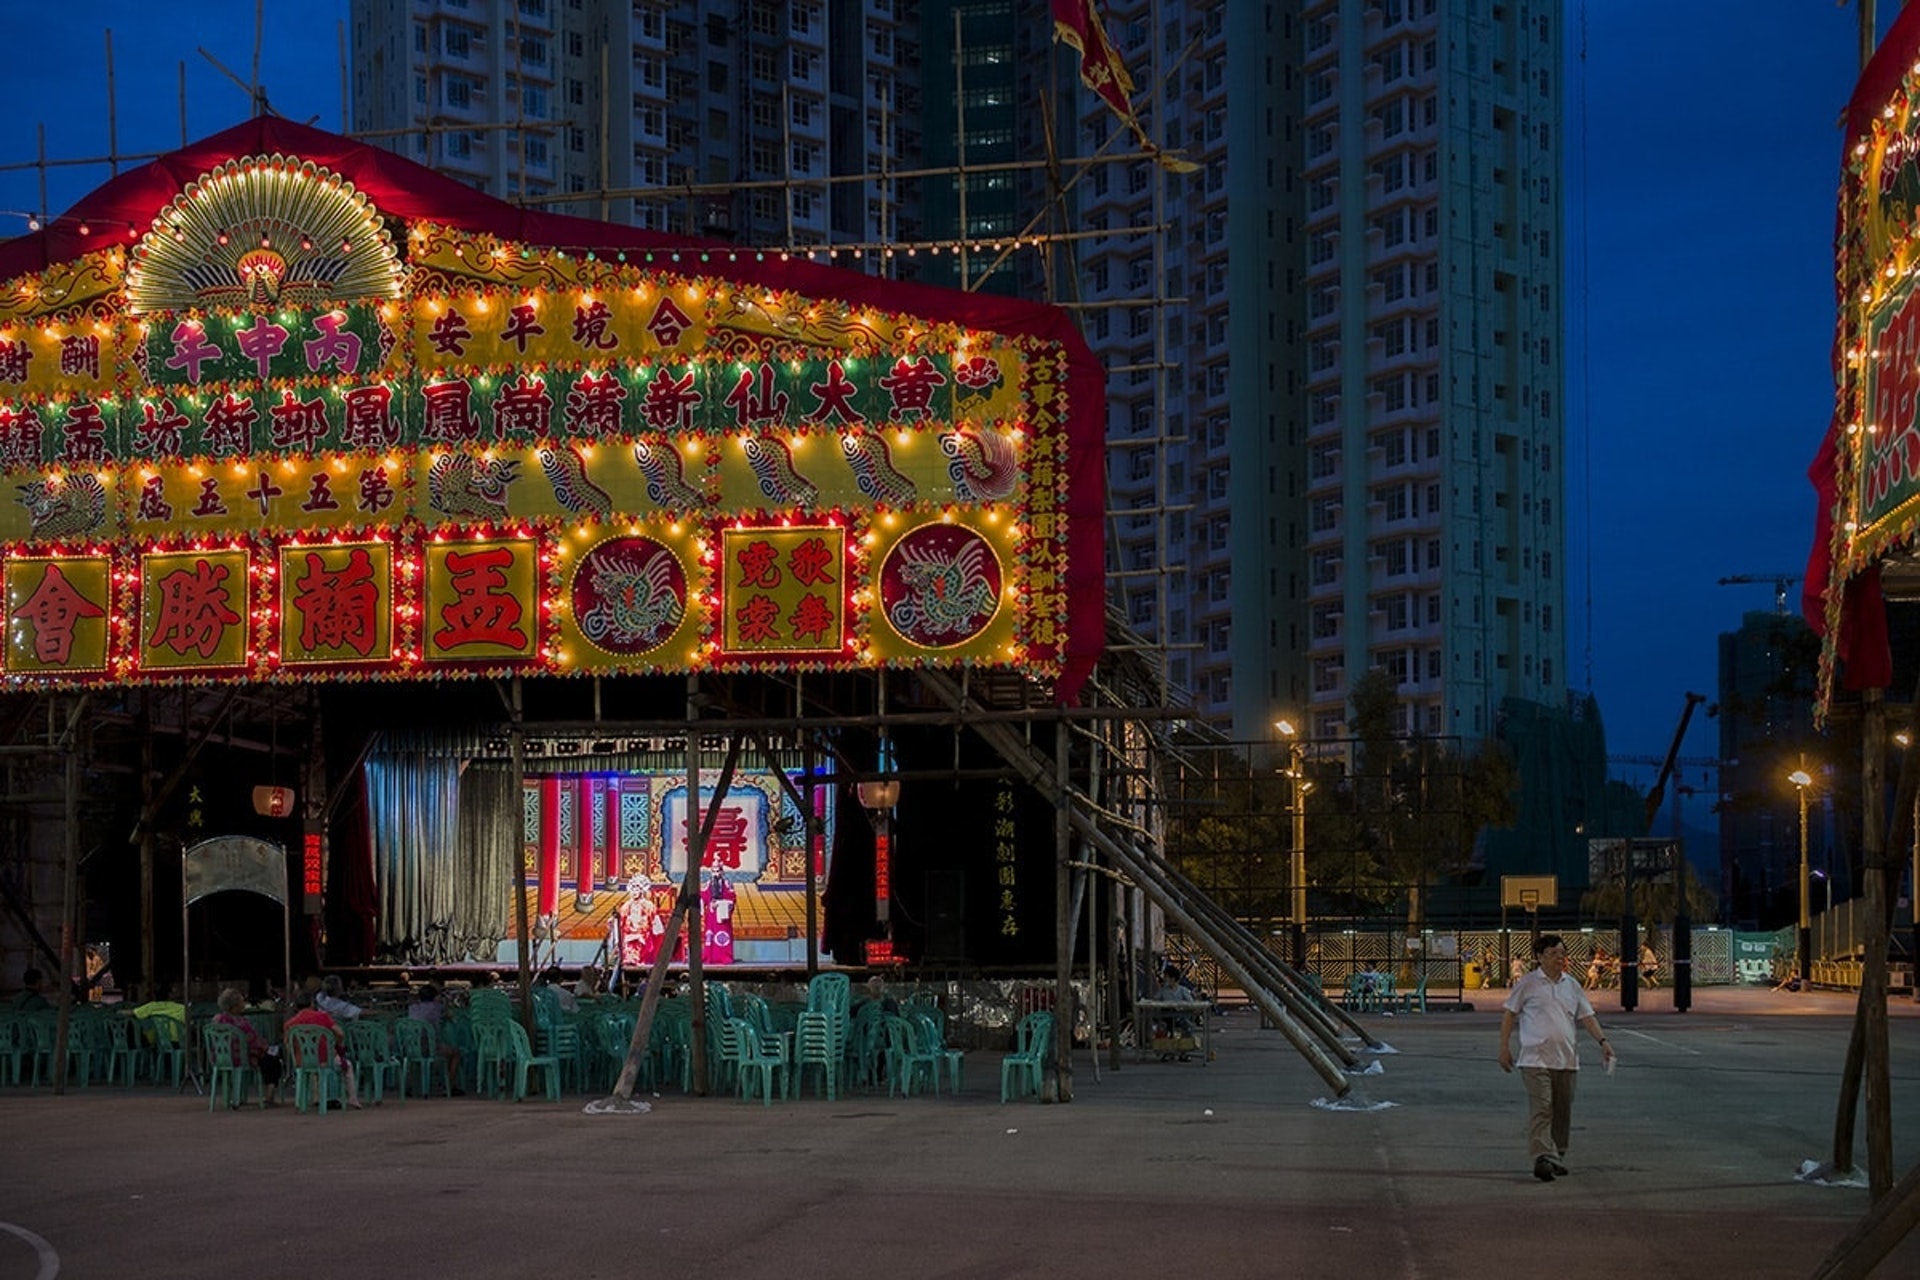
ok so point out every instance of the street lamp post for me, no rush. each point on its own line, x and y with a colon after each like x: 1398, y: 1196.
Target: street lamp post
x: 878, y: 796
x: 1801, y: 780
x: 1297, y: 876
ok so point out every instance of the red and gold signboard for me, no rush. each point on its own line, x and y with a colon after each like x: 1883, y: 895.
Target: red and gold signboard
x: 194, y: 611
x: 336, y: 603
x: 273, y: 432
x: 57, y: 614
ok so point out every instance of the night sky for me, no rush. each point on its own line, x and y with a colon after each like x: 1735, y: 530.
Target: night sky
x: 1702, y: 159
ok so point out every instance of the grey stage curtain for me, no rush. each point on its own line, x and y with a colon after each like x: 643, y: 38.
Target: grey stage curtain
x: 414, y: 802
x: 446, y: 847
x: 492, y: 830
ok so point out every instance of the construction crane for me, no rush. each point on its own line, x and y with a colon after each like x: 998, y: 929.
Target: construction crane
x: 1780, y: 581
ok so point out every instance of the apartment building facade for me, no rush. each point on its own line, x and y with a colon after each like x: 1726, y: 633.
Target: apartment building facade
x: 664, y: 104
x: 1361, y: 451
x: 1335, y: 351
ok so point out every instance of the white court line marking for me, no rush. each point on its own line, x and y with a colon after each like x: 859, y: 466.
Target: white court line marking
x: 1664, y: 1044
x: 49, y: 1260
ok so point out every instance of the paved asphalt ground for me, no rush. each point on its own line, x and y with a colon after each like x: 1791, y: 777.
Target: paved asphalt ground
x: 1683, y: 1164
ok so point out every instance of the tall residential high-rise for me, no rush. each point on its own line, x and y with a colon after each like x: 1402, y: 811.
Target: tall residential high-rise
x: 1364, y: 430
x: 537, y: 99
x: 1335, y: 350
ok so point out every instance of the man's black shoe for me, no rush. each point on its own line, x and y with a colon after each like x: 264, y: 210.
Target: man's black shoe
x: 1559, y: 1170
x: 1543, y: 1169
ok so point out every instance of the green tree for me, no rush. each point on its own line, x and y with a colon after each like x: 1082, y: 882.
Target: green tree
x: 1413, y: 807
x: 1654, y: 901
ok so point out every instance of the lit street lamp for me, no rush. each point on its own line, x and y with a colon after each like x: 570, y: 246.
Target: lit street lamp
x: 1801, y: 780
x: 1296, y: 774
x: 878, y: 796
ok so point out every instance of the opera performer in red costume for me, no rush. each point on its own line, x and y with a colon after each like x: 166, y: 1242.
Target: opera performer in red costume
x: 640, y: 928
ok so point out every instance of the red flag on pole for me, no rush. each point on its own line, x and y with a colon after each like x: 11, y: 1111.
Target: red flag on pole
x: 1077, y: 24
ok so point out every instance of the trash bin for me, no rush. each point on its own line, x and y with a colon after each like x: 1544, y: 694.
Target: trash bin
x: 1472, y: 977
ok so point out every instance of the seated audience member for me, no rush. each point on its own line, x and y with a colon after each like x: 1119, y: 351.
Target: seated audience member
x: 333, y: 1050
x: 429, y: 1008
x: 333, y: 1000
x: 32, y: 996
x: 263, y: 1057
x: 553, y: 980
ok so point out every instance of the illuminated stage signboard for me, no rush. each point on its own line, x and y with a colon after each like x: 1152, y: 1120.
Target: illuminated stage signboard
x: 279, y: 435
x: 1879, y: 404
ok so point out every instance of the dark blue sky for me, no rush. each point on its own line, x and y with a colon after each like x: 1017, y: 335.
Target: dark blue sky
x: 1699, y: 380
x: 1699, y: 294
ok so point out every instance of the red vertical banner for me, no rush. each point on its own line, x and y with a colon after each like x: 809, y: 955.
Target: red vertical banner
x: 883, y: 876
x: 549, y: 846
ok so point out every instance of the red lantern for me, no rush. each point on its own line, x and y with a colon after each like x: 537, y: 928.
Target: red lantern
x: 273, y: 802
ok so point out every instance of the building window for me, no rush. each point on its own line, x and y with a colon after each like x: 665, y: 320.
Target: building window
x: 1394, y: 663
x: 1393, y: 500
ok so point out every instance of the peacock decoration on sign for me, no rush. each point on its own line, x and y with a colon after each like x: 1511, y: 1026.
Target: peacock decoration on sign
x: 873, y: 470
x: 566, y: 471
x: 984, y: 466
x: 259, y: 232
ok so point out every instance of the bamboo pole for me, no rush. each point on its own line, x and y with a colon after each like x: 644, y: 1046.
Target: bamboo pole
x: 522, y: 932
x: 69, y: 881
x: 690, y: 888
x: 1873, y: 980
x: 657, y: 977
x: 1062, y: 922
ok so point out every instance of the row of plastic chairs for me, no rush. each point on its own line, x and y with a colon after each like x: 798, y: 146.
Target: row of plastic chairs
x: 104, y: 1046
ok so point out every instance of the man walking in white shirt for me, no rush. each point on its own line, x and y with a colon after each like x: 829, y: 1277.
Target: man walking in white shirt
x: 1545, y: 1005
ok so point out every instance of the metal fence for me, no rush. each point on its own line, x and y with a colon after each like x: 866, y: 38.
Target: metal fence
x: 1464, y: 960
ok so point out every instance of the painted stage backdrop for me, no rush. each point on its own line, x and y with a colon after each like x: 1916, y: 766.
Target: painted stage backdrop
x: 604, y: 855
x: 281, y: 407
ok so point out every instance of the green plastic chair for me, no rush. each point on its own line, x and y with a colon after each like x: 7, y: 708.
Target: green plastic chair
x: 168, y: 1047
x: 487, y: 1026
x: 671, y: 1038
x: 520, y: 1058
x: 813, y: 1046
x: 124, y: 1054
x: 1021, y: 1071
x: 14, y: 1048
x: 373, y: 1060
x: 908, y: 1063
x: 760, y: 1058
x: 933, y: 1043
x: 37, y: 1032
x: 316, y: 1077
x: 417, y: 1045
x: 231, y: 1065
x: 89, y: 1052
